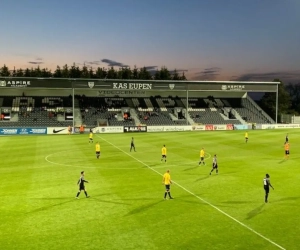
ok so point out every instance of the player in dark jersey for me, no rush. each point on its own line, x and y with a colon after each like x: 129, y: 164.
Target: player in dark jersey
x: 80, y: 183
x: 132, y: 145
x: 287, y: 138
x: 215, y: 165
x: 267, y: 185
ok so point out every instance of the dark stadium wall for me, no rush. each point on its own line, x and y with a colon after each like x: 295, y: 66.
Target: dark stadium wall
x: 112, y: 93
x: 34, y: 92
x: 256, y: 96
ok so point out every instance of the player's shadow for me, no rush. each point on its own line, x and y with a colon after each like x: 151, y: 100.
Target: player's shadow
x: 282, y: 161
x: 96, y: 198
x: 255, y: 212
x: 149, y: 165
x: 194, y: 202
x: 188, y: 169
x: 145, y: 207
x: 99, y: 195
x: 202, y: 178
x: 108, y: 201
x: 44, y: 208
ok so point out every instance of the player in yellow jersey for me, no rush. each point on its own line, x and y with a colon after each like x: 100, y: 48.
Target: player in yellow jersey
x: 202, y: 154
x: 246, y: 137
x: 287, y: 150
x: 164, y: 153
x: 97, y: 148
x: 91, y: 137
x: 167, y: 182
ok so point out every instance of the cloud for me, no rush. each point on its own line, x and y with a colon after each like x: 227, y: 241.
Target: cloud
x: 35, y: 62
x: 112, y: 63
x: 209, y: 71
x: 150, y: 67
x: 154, y: 69
x: 178, y: 71
x: 207, y: 74
x: 92, y: 62
x: 290, y: 76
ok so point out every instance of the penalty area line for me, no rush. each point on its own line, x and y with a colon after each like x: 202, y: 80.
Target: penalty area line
x: 199, y: 198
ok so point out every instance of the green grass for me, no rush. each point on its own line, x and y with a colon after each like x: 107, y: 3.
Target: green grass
x: 126, y: 209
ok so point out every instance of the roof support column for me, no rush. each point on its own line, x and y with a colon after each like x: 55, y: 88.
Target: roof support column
x: 187, y: 107
x: 276, y: 105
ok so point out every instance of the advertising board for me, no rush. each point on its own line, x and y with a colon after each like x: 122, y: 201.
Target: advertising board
x: 216, y: 127
x: 137, y: 129
x: 220, y: 127
x: 57, y: 130
x: 279, y: 126
x: 100, y: 130
x: 209, y: 127
x: 22, y: 131
x: 168, y: 128
x: 229, y: 127
x: 198, y: 127
x: 267, y: 126
x: 86, y: 129
x: 155, y: 129
x: 240, y: 127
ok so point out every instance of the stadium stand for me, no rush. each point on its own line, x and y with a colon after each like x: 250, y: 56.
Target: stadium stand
x: 37, y: 111
x: 226, y: 110
x: 118, y: 111
x: 158, y: 111
x: 248, y: 110
x: 209, y: 111
x: 97, y: 111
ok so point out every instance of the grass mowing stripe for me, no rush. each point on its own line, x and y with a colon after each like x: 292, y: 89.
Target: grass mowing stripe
x: 198, y: 197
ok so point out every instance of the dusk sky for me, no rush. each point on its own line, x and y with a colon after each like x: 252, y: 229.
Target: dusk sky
x: 210, y: 39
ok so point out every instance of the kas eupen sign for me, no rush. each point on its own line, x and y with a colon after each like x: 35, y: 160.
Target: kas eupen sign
x: 128, y: 85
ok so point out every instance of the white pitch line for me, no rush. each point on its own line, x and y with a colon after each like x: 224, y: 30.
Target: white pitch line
x: 198, y: 197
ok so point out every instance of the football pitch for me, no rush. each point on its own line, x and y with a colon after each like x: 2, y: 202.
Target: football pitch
x: 126, y: 209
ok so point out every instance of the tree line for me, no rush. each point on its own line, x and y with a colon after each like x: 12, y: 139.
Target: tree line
x: 288, y: 100
x: 288, y: 94
x: 99, y: 73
